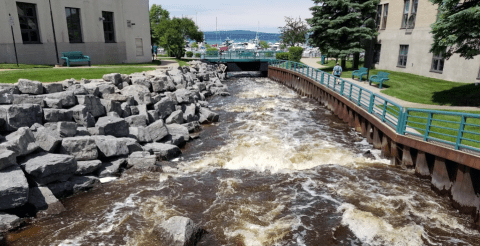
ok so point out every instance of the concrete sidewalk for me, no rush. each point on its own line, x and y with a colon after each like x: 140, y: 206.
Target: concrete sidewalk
x: 312, y: 62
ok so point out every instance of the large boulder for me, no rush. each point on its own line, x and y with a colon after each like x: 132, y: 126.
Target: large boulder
x: 193, y: 126
x: 46, y: 168
x: 114, y: 78
x: 105, y: 89
x: 112, y: 106
x: 47, y: 139
x: 137, y: 120
x: 52, y: 103
x: 178, y: 134
x: 175, y: 117
x: 29, y: 99
x: 83, y: 183
x: 140, y: 134
x: 207, y: 116
x: 8, y: 222
x: 110, y: 146
x: 66, y: 129
x: 163, y: 151
x: 165, y: 107
x: 6, y: 96
x: 8, y: 158
x: 141, y: 80
x: 143, y: 160
x: 162, y: 83
x: 86, y: 167
x: 83, y: 148
x: 93, y: 104
x: 43, y: 200
x: 16, y: 116
x: 67, y: 98
x: 78, y: 90
x: 115, y: 97
x: 157, y: 130
x: 61, y: 189
x: 184, y: 96
x: 52, y: 88
x: 55, y: 115
x: 82, y: 116
x: 22, y: 142
x: 140, y: 93
x: 189, y: 113
x: 111, y: 168
x: 30, y: 87
x: 13, y: 188
x: 182, y: 231
x: 113, y: 126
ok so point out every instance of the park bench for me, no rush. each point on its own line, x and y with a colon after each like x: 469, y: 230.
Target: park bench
x: 75, y: 56
x: 379, y: 78
x: 359, y: 73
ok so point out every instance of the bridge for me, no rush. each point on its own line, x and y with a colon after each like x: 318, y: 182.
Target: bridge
x: 242, y: 60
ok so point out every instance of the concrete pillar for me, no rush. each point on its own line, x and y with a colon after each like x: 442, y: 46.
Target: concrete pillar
x: 386, y: 147
x: 356, y: 123
x: 421, y: 165
x: 351, y: 118
x: 395, y: 159
x: 440, y: 179
x: 407, y: 157
x: 344, y: 113
x: 377, y: 142
x: 369, y: 133
x: 463, y: 193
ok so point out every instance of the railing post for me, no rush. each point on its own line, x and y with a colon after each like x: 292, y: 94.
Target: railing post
x: 342, y: 86
x: 308, y: 74
x: 350, y: 93
x: 372, y: 101
x: 460, y: 133
x: 316, y: 75
x: 384, y: 111
x: 359, y: 96
x: 321, y: 79
x: 429, y: 123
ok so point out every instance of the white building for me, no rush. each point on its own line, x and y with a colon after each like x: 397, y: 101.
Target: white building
x: 109, y: 31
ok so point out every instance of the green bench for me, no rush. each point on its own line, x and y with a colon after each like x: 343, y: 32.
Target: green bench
x: 359, y: 73
x: 75, y: 56
x: 379, y: 78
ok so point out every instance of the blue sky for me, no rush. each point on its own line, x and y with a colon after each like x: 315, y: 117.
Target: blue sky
x: 238, y: 14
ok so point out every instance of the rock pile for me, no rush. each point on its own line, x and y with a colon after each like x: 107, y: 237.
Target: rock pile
x: 60, y: 138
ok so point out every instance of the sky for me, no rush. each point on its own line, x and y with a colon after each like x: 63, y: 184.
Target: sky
x: 266, y: 15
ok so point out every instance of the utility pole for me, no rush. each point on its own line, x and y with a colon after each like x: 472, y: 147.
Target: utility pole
x: 53, y: 28
x: 10, y: 19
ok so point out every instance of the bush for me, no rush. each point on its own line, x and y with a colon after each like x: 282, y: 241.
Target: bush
x: 198, y: 55
x: 269, y: 54
x: 189, y: 54
x: 295, y: 53
x: 282, y: 56
x: 212, y: 52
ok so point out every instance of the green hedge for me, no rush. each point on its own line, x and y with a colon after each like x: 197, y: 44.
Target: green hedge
x: 282, y: 56
x: 198, y: 55
x: 189, y: 54
x: 295, y: 53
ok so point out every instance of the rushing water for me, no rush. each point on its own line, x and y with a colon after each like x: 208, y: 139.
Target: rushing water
x: 277, y: 169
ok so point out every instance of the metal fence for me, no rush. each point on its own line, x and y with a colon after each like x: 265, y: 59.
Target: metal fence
x: 241, y: 54
x: 457, y: 130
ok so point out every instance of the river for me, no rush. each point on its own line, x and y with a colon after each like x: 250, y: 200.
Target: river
x: 278, y: 169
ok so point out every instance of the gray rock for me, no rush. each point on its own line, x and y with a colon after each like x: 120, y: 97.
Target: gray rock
x: 78, y: 90
x: 141, y: 80
x: 136, y: 120
x: 30, y: 87
x: 43, y: 200
x: 115, y: 97
x: 126, y: 110
x: 181, y: 230
x: 61, y: 189
x: 113, y: 126
x: 157, y: 130
x: 34, y: 127
x: 189, y: 114
x: 163, y: 151
x: 110, y: 146
x: 111, y: 106
x: 47, y: 139
x: 66, y: 129
x: 113, y: 114
x: 11, y: 87
x: 200, y: 86
x: 152, y: 116
x: 111, y: 168
x: 67, y: 98
x: 6, y: 96
x: 13, y: 188
x: 162, y: 83
x: 8, y: 222
x: 193, y: 126
x: 175, y: 117
x: 134, y: 110
x: 207, y: 116
x: 93, y: 89
x: 184, y: 96
x: 83, y: 183
x: 55, y: 115
x: 82, y: 148
x: 140, y: 93
x: 126, y: 78
x: 82, y: 116
x: 8, y: 158
x: 52, y: 88
x: 93, y: 104
x: 17, y: 116
x: 53, y: 103
x: 115, y: 78
x: 82, y: 131
x: 93, y: 131
x: 143, y: 160
x: 140, y: 134
x: 178, y: 135
x: 29, y: 99
x: 22, y: 142
x: 106, y: 89
x: 68, y: 82
x: 86, y: 167
x: 165, y: 107
x: 46, y: 168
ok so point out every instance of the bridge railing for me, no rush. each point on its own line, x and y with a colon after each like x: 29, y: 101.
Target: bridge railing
x: 458, y: 130
x: 241, y: 54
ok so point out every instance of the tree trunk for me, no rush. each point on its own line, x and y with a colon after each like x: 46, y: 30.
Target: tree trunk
x: 356, y: 60
x: 344, y: 63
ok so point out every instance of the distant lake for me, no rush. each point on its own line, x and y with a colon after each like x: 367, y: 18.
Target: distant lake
x: 239, y: 36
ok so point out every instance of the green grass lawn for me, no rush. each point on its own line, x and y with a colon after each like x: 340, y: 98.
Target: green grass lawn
x: 181, y: 62
x: 59, y: 74
x: 420, y: 89
x: 22, y: 66
x: 153, y: 63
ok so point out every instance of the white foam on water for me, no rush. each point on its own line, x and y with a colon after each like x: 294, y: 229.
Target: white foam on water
x: 107, y: 179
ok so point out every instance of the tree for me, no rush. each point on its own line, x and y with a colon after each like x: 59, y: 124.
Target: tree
x: 339, y: 27
x: 172, y: 34
x: 264, y: 44
x: 194, y: 45
x: 450, y: 32
x: 157, y: 14
x: 294, y: 31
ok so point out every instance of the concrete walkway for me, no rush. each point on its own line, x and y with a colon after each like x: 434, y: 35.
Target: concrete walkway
x: 312, y: 62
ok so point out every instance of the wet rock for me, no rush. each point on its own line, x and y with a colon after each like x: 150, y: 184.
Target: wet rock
x: 193, y: 126
x: 157, y: 130
x: 47, y: 139
x: 165, y: 107
x: 175, y: 117
x: 46, y: 168
x: 13, y: 188
x: 30, y: 87
x: 86, y: 167
x: 369, y: 154
x: 207, y: 116
x: 83, y: 183
x: 182, y: 231
x: 111, y: 168
x: 22, y: 142
x: 82, y: 148
x: 8, y: 158
x: 110, y: 146
x: 67, y: 98
x: 52, y: 88
x: 17, y: 116
x: 113, y: 126
x: 60, y: 189
x: 163, y: 151
x: 8, y: 222
x: 55, y: 115
x: 92, y: 104
x: 78, y: 90
x: 178, y: 135
x: 43, y: 200
x: 143, y: 160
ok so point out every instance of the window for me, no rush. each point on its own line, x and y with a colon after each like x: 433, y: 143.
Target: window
x: 437, y: 63
x: 73, y: 25
x: 402, y: 57
x: 406, y: 7
x: 385, y: 14
x: 108, y: 28
x: 413, y: 15
x: 27, y: 17
x: 376, y: 53
x: 139, y: 46
x: 379, y: 16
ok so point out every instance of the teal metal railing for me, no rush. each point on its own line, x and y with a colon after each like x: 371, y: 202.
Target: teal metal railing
x: 459, y: 130
x: 241, y: 54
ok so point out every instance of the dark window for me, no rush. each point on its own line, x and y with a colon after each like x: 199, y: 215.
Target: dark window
x: 73, y: 25
x: 406, y: 7
x: 402, y: 57
x: 379, y: 16
x: 108, y: 28
x: 438, y: 62
x: 385, y: 15
x: 27, y: 17
x: 376, y: 53
x: 413, y: 15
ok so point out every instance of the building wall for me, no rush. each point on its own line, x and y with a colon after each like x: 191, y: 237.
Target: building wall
x: 92, y: 31
x: 419, y: 59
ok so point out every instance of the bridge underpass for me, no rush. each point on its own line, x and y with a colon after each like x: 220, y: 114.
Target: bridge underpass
x: 242, y: 61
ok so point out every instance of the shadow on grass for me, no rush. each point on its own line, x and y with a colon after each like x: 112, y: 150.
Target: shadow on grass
x: 464, y: 95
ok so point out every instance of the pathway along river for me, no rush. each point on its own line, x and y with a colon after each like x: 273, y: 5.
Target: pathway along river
x: 278, y: 169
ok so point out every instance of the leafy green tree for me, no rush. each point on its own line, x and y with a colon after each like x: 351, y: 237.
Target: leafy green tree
x: 172, y: 34
x: 264, y: 44
x: 157, y: 14
x: 294, y: 31
x: 339, y: 27
x: 457, y: 29
x: 194, y: 45
x: 208, y: 46
x: 295, y: 53
x: 283, y: 46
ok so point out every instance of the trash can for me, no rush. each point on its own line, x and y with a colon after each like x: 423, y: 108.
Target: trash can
x: 323, y: 59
